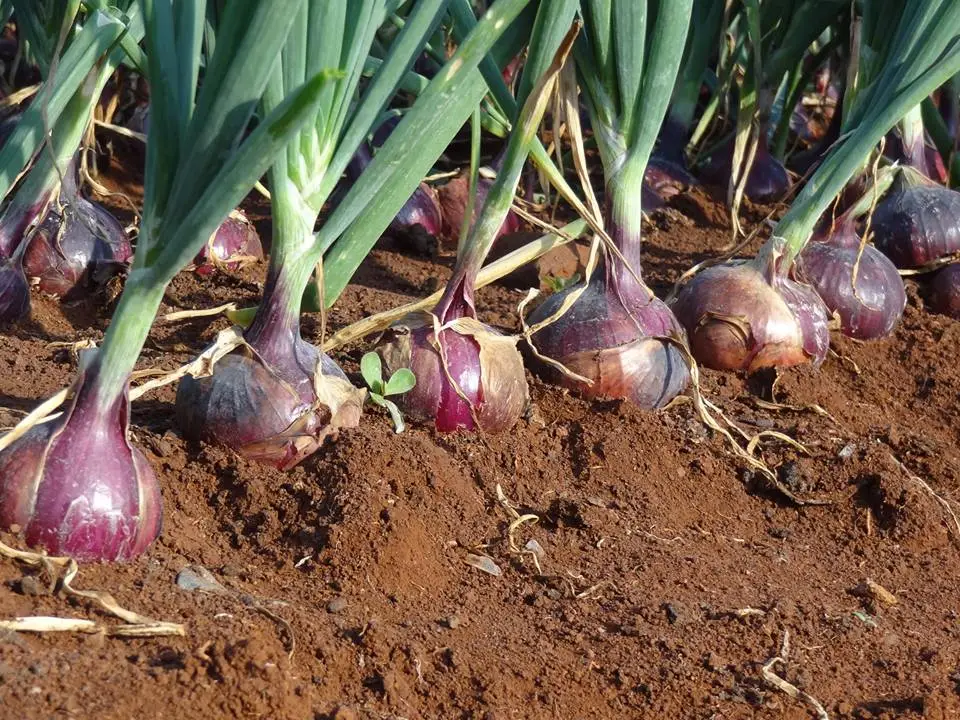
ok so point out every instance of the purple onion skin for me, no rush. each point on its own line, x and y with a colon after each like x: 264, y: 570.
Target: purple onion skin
x: 944, y: 291
x: 918, y: 224
x: 14, y: 292
x: 77, y: 246
x: 768, y: 180
x: 615, y: 339
x: 76, y: 486
x: 873, y: 309
x: 486, y: 366
x: 261, y: 400
x: 234, y: 243
x: 666, y: 174
x: 453, y: 206
x: 421, y: 216
x: 14, y: 287
x: 743, y: 316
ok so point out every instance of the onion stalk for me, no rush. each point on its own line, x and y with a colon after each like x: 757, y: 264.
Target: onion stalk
x: 196, y: 173
x: 730, y: 329
x: 277, y: 398
x: 618, y: 340
x: 469, y: 376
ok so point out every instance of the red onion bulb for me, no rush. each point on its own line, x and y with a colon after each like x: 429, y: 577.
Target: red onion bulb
x: 916, y: 224
x: 76, y: 486
x: 485, y: 365
x: 616, y: 340
x: 868, y: 308
x: 768, y: 180
x: 944, y: 291
x: 78, y: 244
x: 234, y: 244
x: 453, y: 206
x: 269, y: 403
x: 743, y: 316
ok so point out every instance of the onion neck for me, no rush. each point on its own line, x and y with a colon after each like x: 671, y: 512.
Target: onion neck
x: 275, y: 330
x: 625, y: 224
x: 913, y: 139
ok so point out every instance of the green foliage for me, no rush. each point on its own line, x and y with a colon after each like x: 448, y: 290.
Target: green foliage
x: 402, y: 381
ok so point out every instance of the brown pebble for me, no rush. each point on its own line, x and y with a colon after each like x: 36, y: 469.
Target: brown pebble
x: 30, y: 585
x: 338, y: 604
x: 452, y: 622
x: 874, y: 591
x: 344, y: 713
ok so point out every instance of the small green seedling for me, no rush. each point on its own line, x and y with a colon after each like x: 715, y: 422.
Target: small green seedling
x: 400, y: 382
x: 557, y: 283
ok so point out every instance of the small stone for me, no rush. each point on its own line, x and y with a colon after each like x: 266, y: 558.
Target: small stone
x: 846, y: 452
x: 344, y: 713
x: 230, y: 571
x: 338, y: 604
x: 780, y: 533
x: 672, y: 614
x: 197, y: 577
x: 484, y: 564
x: 714, y: 662
x: 874, y: 591
x: 30, y: 585
x: 452, y: 622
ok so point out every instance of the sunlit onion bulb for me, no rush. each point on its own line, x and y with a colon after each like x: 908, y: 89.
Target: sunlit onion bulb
x: 265, y: 405
x: 944, y: 291
x: 869, y: 308
x: 234, y: 244
x: 616, y: 340
x: 485, y: 366
x: 77, y: 246
x: 742, y: 316
x: 76, y: 486
x: 916, y: 224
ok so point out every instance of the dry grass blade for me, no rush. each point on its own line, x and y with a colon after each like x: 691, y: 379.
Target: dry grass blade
x: 489, y: 274
x: 63, y: 570
x: 942, y: 501
x: 45, y: 624
x: 227, y: 340
x: 777, y: 682
x: 41, y: 413
x: 205, y: 312
x: 709, y: 413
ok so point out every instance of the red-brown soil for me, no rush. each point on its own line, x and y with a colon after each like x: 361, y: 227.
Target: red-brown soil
x: 669, y: 574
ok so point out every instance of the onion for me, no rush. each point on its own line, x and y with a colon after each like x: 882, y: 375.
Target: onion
x: 916, y: 223
x: 743, y: 315
x: 768, y: 180
x: 14, y: 291
x: 420, y: 218
x: 453, y: 205
x: 78, y: 244
x: 663, y: 179
x: 484, y: 365
x: 275, y: 399
x: 14, y: 287
x: 76, y: 486
x: 870, y: 306
x: 234, y: 244
x: 615, y: 336
x: 944, y: 291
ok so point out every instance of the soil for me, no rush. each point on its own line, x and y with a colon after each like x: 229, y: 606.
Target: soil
x: 665, y: 576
